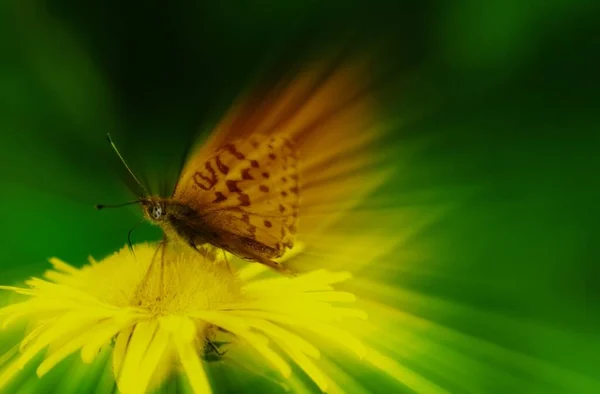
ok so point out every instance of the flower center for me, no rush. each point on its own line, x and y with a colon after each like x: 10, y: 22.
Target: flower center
x: 183, y: 282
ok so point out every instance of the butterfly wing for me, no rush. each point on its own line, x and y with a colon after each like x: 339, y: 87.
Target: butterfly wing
x: 249, y: 189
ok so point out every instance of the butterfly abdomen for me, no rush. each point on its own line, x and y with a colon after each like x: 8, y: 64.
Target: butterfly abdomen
x: 185, y: 225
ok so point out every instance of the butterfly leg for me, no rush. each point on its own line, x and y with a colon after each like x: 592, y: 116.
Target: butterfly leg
x: 162, y: 267
x: 190, y: 240
x: 151, y: 265
x: 203, y: 251
x: 227, y: 261
x: 196, y: 244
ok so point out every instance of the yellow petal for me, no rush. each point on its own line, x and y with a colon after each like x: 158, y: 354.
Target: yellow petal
x: 13, y: 312
x: 281, y: 335
x: 331, y: 296
x: 60, y: 265
x: 351, y: 312
x: 58, y: 277
x: 18, y: 290
x: 339, y: 336
x: 334, y: 334
x: 69, y: 297
x: 152, y: 358
x: 99, y: 337
x: 134, y: 355
x: 120, y: 350
x: 11, y: 369
x: 225, y: 320
x: 8, y: 355
x: 250, y: 365
x: 63, y: 327
x: 35, y: 333
x: 8, y: 373
x: 272, y: 357
x: 240, y: 329
x: 100, y: 332
x: 284, y: 319
x: 189, y: 356
x: 308, y: 366
x: 250, y: 271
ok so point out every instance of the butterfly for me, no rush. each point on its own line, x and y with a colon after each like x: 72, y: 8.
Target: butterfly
x: 243, y: 199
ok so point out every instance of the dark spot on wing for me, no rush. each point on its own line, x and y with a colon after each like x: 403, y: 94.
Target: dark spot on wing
x: 244, y: 200
x: 272, y: 156
x: 284, y: 193
x: 246, y: 174
x: 283, y: 179
x: 265, y: 175
x: 232, y: 186
x: 205, y: 182
x: 219, y: 197
x: 199, y: 177
x: 254, y: 163
x: 264, y: 188
x: 294, y: 190
x: 231, y: 149
x: 281, y: 208
x: 222, y: 167
x: 268, y: 224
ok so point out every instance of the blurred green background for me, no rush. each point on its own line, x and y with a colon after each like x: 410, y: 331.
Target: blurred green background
x: 504, y: 93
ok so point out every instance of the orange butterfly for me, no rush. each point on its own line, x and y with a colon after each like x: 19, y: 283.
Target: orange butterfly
x: 240, y: 189
x: 243, y: 199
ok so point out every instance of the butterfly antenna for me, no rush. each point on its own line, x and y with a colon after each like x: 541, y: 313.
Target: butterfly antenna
x: 102, y: 206
x: 227, y: 261
x: 110, y: 141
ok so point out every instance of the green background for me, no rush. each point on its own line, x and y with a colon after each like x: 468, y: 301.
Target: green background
x: 505, y: 93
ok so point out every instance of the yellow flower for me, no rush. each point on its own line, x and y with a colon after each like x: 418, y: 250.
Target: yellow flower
x: 162, y: 317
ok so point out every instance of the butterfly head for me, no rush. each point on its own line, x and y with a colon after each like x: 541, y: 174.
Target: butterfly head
x: 154, y: 209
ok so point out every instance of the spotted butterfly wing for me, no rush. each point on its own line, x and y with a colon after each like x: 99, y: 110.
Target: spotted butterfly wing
x: 247, y: 195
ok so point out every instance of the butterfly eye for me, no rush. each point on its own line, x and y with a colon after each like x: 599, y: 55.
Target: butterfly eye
x: 157, y: 212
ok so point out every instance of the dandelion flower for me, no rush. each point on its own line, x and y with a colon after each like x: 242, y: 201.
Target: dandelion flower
x: 165, y: 317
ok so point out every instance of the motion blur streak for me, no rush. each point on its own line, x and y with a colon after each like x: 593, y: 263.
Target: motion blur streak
x: 329, y: 111
x: 473, y: 242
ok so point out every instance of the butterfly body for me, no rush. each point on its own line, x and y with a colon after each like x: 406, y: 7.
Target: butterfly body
x: 171, y: 217
x: 242, y: 197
